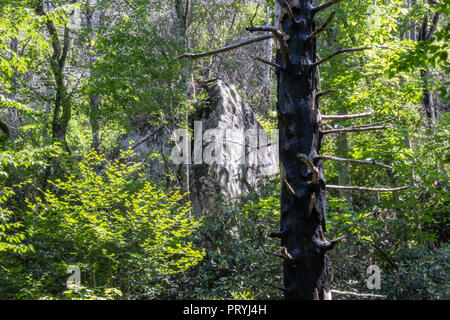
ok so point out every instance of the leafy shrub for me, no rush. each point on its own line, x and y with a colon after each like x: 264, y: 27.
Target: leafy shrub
x: 124, y: 233
x: 238, y: 262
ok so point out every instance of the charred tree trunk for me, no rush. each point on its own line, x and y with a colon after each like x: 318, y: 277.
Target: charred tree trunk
x: 307, y: 273
x: 306, y: 268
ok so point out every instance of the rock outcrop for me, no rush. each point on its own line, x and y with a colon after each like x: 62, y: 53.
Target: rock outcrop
x: 248, y: 154
x: 230, y: 151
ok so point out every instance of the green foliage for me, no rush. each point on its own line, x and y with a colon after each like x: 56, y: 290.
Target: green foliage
x: 133, y: 238
x: 122, y: 231
x: 136, y: 74
x: 238, y: 262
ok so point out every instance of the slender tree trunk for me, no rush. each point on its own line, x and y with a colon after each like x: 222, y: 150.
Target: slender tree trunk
x: 62, y: 110
x: 181, y: 12
x: 307, y: 272
x: 93, y: 119
x: 265, y: 101
x: 94, y: 100
x: 344, y: 174
x: 426, y: 32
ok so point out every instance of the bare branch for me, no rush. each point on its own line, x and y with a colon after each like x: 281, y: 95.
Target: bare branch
x: 347, y: 116
x: 434, y: 22
x: 227, y: 48
x: 286, y: 255
x: 254, y: 14
x: 270, y: 63
x: 322, y: 27
x: 433, y: 2
x: 323, y: 93
x: 289, y: 10
x: 339, y: 52
x: 311, y: 166
x: 279, y: 35
x: 66, y: 47
x: 276, y: 287
x: 375, y: 123
x: 366, y: 189
x: 288, y: 186
x: 354, y: 129
x: 373, y: 162
x: 355, y: 294
x: 328, y: 245
x: 324, y: 6
x: 274, y: 254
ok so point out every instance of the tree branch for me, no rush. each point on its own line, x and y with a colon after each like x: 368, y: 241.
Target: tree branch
x: 347, y: 116
x: 354, y: 129
x: 276, y: 287
x: 289, y: 10
x: 225, y: 49
x: 324, y: 6
x: 328, y: 245
x: 311, y: 166
x: 434, y: 22
x: 355, y: 294
x: 323, y: 93
x: 286, y: 255
x: 375, y: 123
x: 288, y: 186
x: 270, y: 63
x: 373, y: 162
x: 66, y: 47
x: 273, y: 254
x: 322, y: 27
x: 365, y: 188
x: 339, y: 52
x: 278, y: 34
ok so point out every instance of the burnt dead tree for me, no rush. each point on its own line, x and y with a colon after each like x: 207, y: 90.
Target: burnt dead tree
x: 306, y: 267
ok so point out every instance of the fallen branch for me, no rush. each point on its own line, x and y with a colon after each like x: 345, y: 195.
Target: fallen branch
x: 225, y: 49
x: 366, y: 189
x: 361, y: 295
x: 373, y: 162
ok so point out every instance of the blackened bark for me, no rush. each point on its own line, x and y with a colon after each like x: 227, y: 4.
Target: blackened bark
x: 308, y: 274
x: 4, y: 134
